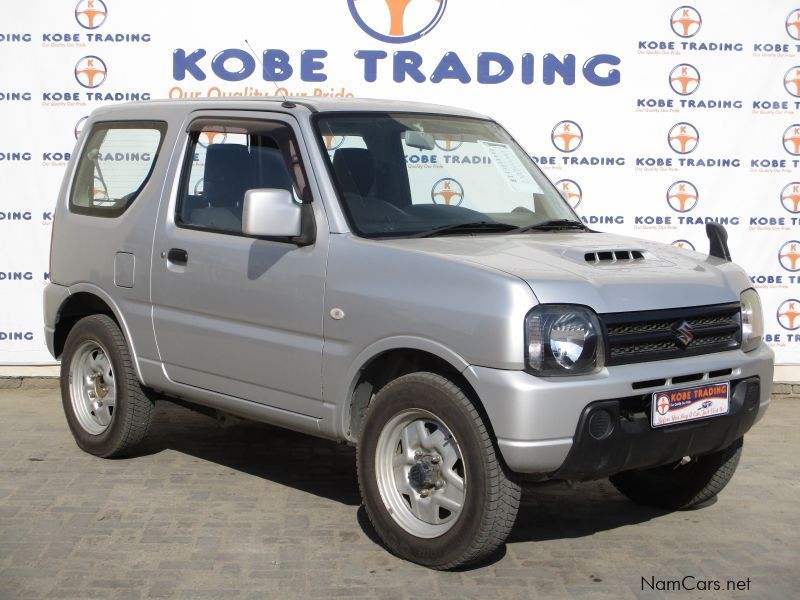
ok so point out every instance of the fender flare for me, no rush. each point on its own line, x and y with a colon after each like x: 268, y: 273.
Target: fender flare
x: 89, y: 288
x: 398, y: 342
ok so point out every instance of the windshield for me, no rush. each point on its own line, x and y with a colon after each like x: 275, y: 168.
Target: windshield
x: 405, y: 174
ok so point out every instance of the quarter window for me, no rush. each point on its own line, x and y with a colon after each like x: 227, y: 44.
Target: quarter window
x: 116, y: 162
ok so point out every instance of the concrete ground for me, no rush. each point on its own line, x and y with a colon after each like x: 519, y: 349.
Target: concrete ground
x: 257, y: 512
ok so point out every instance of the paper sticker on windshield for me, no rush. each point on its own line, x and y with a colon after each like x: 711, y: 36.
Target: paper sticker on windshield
x: 511, y: 168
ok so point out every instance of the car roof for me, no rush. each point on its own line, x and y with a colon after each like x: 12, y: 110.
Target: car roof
x: 303, y: 103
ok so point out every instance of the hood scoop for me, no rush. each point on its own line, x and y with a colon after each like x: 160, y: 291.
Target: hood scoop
x: 608, y: 257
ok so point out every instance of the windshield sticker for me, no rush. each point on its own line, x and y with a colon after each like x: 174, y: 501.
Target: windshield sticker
x: 510, y: 167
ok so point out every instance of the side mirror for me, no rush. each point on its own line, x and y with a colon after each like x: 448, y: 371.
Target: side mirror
x: 271, y: 213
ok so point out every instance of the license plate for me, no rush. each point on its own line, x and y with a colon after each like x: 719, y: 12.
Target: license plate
x: 671, y: 407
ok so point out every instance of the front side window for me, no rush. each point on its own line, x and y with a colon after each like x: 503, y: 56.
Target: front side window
x: 114, y: 166
x: 407, y: 174
x: 227, y: 158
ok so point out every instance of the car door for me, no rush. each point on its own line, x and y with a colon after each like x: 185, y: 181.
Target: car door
x: 233, y: 314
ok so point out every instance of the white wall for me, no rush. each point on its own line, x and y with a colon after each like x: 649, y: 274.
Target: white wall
x: 747, y: 56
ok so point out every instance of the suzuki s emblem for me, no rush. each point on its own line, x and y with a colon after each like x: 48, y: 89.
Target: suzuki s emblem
x: 683, y: 333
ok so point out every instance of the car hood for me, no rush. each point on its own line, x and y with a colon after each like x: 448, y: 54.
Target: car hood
x: 576, y: 268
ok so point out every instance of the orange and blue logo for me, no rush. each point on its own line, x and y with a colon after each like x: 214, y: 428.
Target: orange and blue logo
x: 682, y: 196
x: 683, y: 244
x: 397, y: 21
x: 791, y: 81
x: 91, y: 14
x: 567, y: 136
x: 571, y: 192
x: 686, y: 21
x: 793, y: 24
x: 788, y: 314
x: 684, y: 79
x: 683, y: 138
x: 332, y: 142
x: 789, y: 256
x: 79, y: 126
x: 791, y: 139
x: 90, y: 71
x: 447, y: 191
x: 448, y: 143
x: 207, y: 138
x: 790, y: 197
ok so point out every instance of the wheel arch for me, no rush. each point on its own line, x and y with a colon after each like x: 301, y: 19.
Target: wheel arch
x: 389, y: 359
x: 83, y: 301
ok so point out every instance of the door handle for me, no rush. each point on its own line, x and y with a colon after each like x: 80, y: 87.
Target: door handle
x: 178, y: 256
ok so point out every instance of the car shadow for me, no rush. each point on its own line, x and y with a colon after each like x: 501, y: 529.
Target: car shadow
x: 326, y: 469
x: 309, y: 464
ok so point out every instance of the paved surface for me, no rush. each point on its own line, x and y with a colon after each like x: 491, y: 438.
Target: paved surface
x: 257, y: 512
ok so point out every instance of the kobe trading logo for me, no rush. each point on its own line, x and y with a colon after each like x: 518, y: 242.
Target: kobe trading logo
x: 684, y: 79
x: 790, y: 197
x: 685, y: 21
x: 448, y: 143
x: 662, y: 406
x: 207, y: 138
x: 789, y: 314
x: 791, y: 139
x: 683, y: 244
x: 791, y: 81
x: 571, y: 192
x: 683, y: 138
x: 567, y: 136
x: 90, y: 14
x: 682, y: 196
x: 332, y: 142
x: 793, y: 24
x: 789, y: 255
x: 79, y: 126
x: 397, y: 21
x: 90, y: 71
x: 447, y: 191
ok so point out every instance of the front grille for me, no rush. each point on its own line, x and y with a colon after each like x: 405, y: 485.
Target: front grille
x: 633, y: 337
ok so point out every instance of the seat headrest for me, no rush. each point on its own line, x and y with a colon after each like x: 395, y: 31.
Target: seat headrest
x: 225, y: 160
x: 270, y: 169
x: 227, y: 174
x: 355, y: 170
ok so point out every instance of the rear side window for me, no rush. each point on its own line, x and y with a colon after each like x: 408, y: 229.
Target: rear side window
x: 114, y: 166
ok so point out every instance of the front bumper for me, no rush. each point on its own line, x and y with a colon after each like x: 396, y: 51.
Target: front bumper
x: 535, y: 419
x: 615, y: 435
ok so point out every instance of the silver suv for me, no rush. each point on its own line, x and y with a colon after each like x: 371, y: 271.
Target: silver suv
x: 401, y: 277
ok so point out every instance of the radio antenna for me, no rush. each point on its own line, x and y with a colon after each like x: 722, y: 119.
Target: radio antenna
x: 286, y: 103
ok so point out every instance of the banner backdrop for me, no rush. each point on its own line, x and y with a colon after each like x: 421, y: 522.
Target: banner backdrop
x: 652, y: 117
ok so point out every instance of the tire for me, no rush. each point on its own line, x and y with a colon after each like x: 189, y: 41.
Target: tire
x: 681, y: 486
x: 472, y: 500
x: 107, y: 409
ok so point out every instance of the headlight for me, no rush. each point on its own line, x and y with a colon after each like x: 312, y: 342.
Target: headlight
x: 752, y: 320
x: 563, y: 340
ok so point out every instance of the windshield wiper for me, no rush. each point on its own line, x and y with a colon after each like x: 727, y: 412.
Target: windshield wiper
x: 552, y: 224
x: 474, y: 226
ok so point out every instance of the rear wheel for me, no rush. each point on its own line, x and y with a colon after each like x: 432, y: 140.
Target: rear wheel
x: 684, y: 484
x: 107, y: 409
x: 432, y: 484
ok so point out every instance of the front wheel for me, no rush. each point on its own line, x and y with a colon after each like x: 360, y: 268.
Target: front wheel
x: 431, y: 481
x: 684, y: 484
